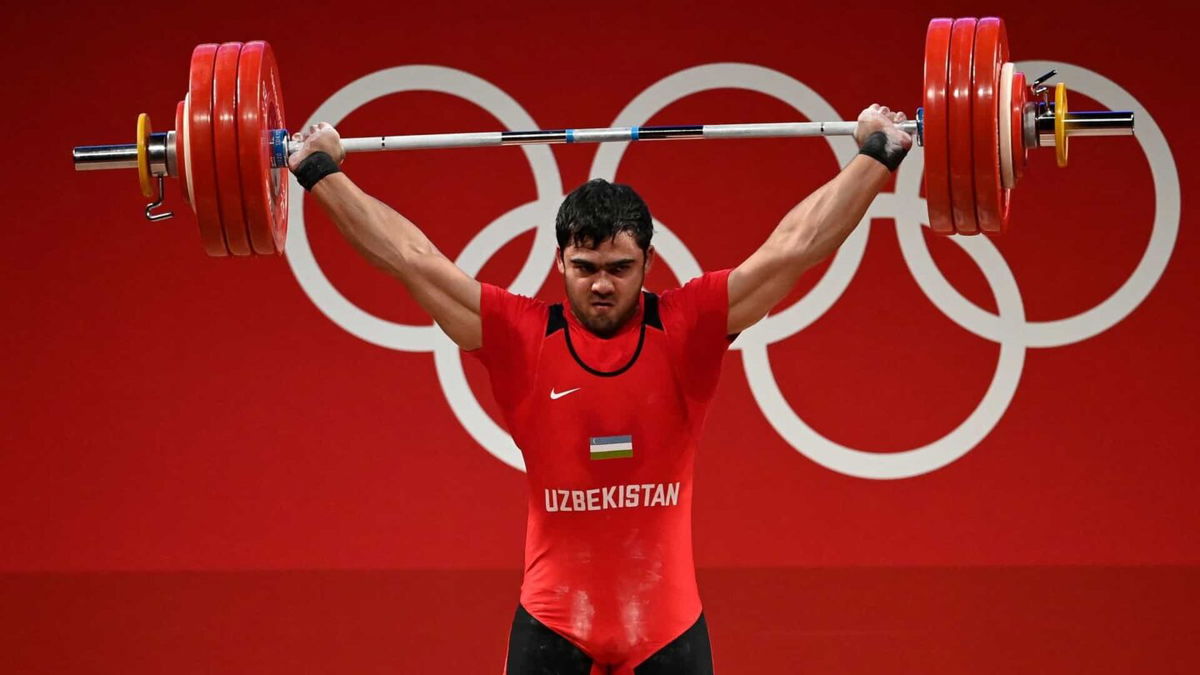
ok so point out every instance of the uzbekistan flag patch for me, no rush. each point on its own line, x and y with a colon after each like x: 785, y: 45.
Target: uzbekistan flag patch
x: 611, y: 447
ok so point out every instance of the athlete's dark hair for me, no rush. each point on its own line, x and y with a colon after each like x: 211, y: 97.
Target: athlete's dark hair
x: 598, y: 211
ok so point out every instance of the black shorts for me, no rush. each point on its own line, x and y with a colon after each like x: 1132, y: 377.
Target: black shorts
x: 534, y: 649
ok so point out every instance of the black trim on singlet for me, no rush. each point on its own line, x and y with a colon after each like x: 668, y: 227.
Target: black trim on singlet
x: 556, y: 320
x: 650, y: 317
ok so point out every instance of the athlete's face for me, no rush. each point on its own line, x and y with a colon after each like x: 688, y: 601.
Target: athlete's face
x: 604, y: 283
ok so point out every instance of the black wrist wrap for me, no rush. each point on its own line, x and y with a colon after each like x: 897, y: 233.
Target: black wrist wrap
x: 876, y: 147
x: 315, y: 167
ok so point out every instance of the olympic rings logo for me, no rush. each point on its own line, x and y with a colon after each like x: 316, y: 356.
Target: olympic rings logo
x: 1008, y: 327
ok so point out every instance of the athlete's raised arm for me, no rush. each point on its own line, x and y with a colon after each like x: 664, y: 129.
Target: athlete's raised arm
x: 819, y: 224
x: 387, y: 239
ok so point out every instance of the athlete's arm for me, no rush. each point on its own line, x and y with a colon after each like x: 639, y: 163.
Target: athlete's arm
x: 395, y: 245
x: 814, y: 229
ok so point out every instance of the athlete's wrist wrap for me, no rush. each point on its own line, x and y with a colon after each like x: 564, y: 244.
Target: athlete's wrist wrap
x: 315, y: 167
x: 876, y: 147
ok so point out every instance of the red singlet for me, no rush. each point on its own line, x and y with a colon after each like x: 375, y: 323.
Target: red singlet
x: 608, y: 429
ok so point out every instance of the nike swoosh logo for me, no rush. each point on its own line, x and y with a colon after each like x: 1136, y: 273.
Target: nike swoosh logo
x: 555, y: 395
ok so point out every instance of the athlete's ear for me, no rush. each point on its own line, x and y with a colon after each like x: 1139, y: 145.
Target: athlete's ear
x: 558, y: 260
x: 649, y: 259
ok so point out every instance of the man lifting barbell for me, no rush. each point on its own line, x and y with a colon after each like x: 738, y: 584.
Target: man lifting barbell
x: 606, y: 394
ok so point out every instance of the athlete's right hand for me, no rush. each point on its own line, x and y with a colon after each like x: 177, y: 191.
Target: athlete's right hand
x: 320, y: 137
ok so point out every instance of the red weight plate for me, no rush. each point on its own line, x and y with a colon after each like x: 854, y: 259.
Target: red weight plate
x: 225, y: 147
x: 264, y: 189
x: 959, y: 93
x: 991, y: 198
x: 1020, y: 96
x: 202, y: 166
x: 937, y: 163
x: 181, y: 158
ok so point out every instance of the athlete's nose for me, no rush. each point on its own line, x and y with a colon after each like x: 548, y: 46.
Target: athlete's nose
x: 602, y: 286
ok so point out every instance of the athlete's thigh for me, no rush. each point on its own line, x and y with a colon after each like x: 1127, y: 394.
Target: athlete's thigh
x: 534, y: 649
x: 688, y: 654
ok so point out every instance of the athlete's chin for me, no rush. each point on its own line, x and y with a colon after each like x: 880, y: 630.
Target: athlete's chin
x: 604, y: 326
x: 605, y: 320
x: 602, y: 318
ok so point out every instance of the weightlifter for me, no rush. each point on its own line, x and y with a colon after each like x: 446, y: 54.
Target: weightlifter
x: 606, y: 394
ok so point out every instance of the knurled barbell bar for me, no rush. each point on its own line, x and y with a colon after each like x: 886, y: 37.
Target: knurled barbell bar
x: 230, y: 144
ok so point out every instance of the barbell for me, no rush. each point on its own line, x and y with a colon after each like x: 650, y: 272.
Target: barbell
x: 229, y: 148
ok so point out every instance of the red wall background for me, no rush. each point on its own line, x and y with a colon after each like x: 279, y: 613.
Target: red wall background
x: 200, y: 471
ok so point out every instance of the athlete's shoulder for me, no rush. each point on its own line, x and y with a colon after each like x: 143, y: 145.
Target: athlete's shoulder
x: 707, y: 292
x: 512, y: 326
x: 511, y: 323
x: 502, y: 303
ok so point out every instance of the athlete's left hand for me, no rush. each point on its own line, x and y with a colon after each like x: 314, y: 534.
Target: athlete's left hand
x: 881, y: 118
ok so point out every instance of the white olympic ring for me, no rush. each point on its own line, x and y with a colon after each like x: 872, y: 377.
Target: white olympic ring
x: 1008, y: 327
